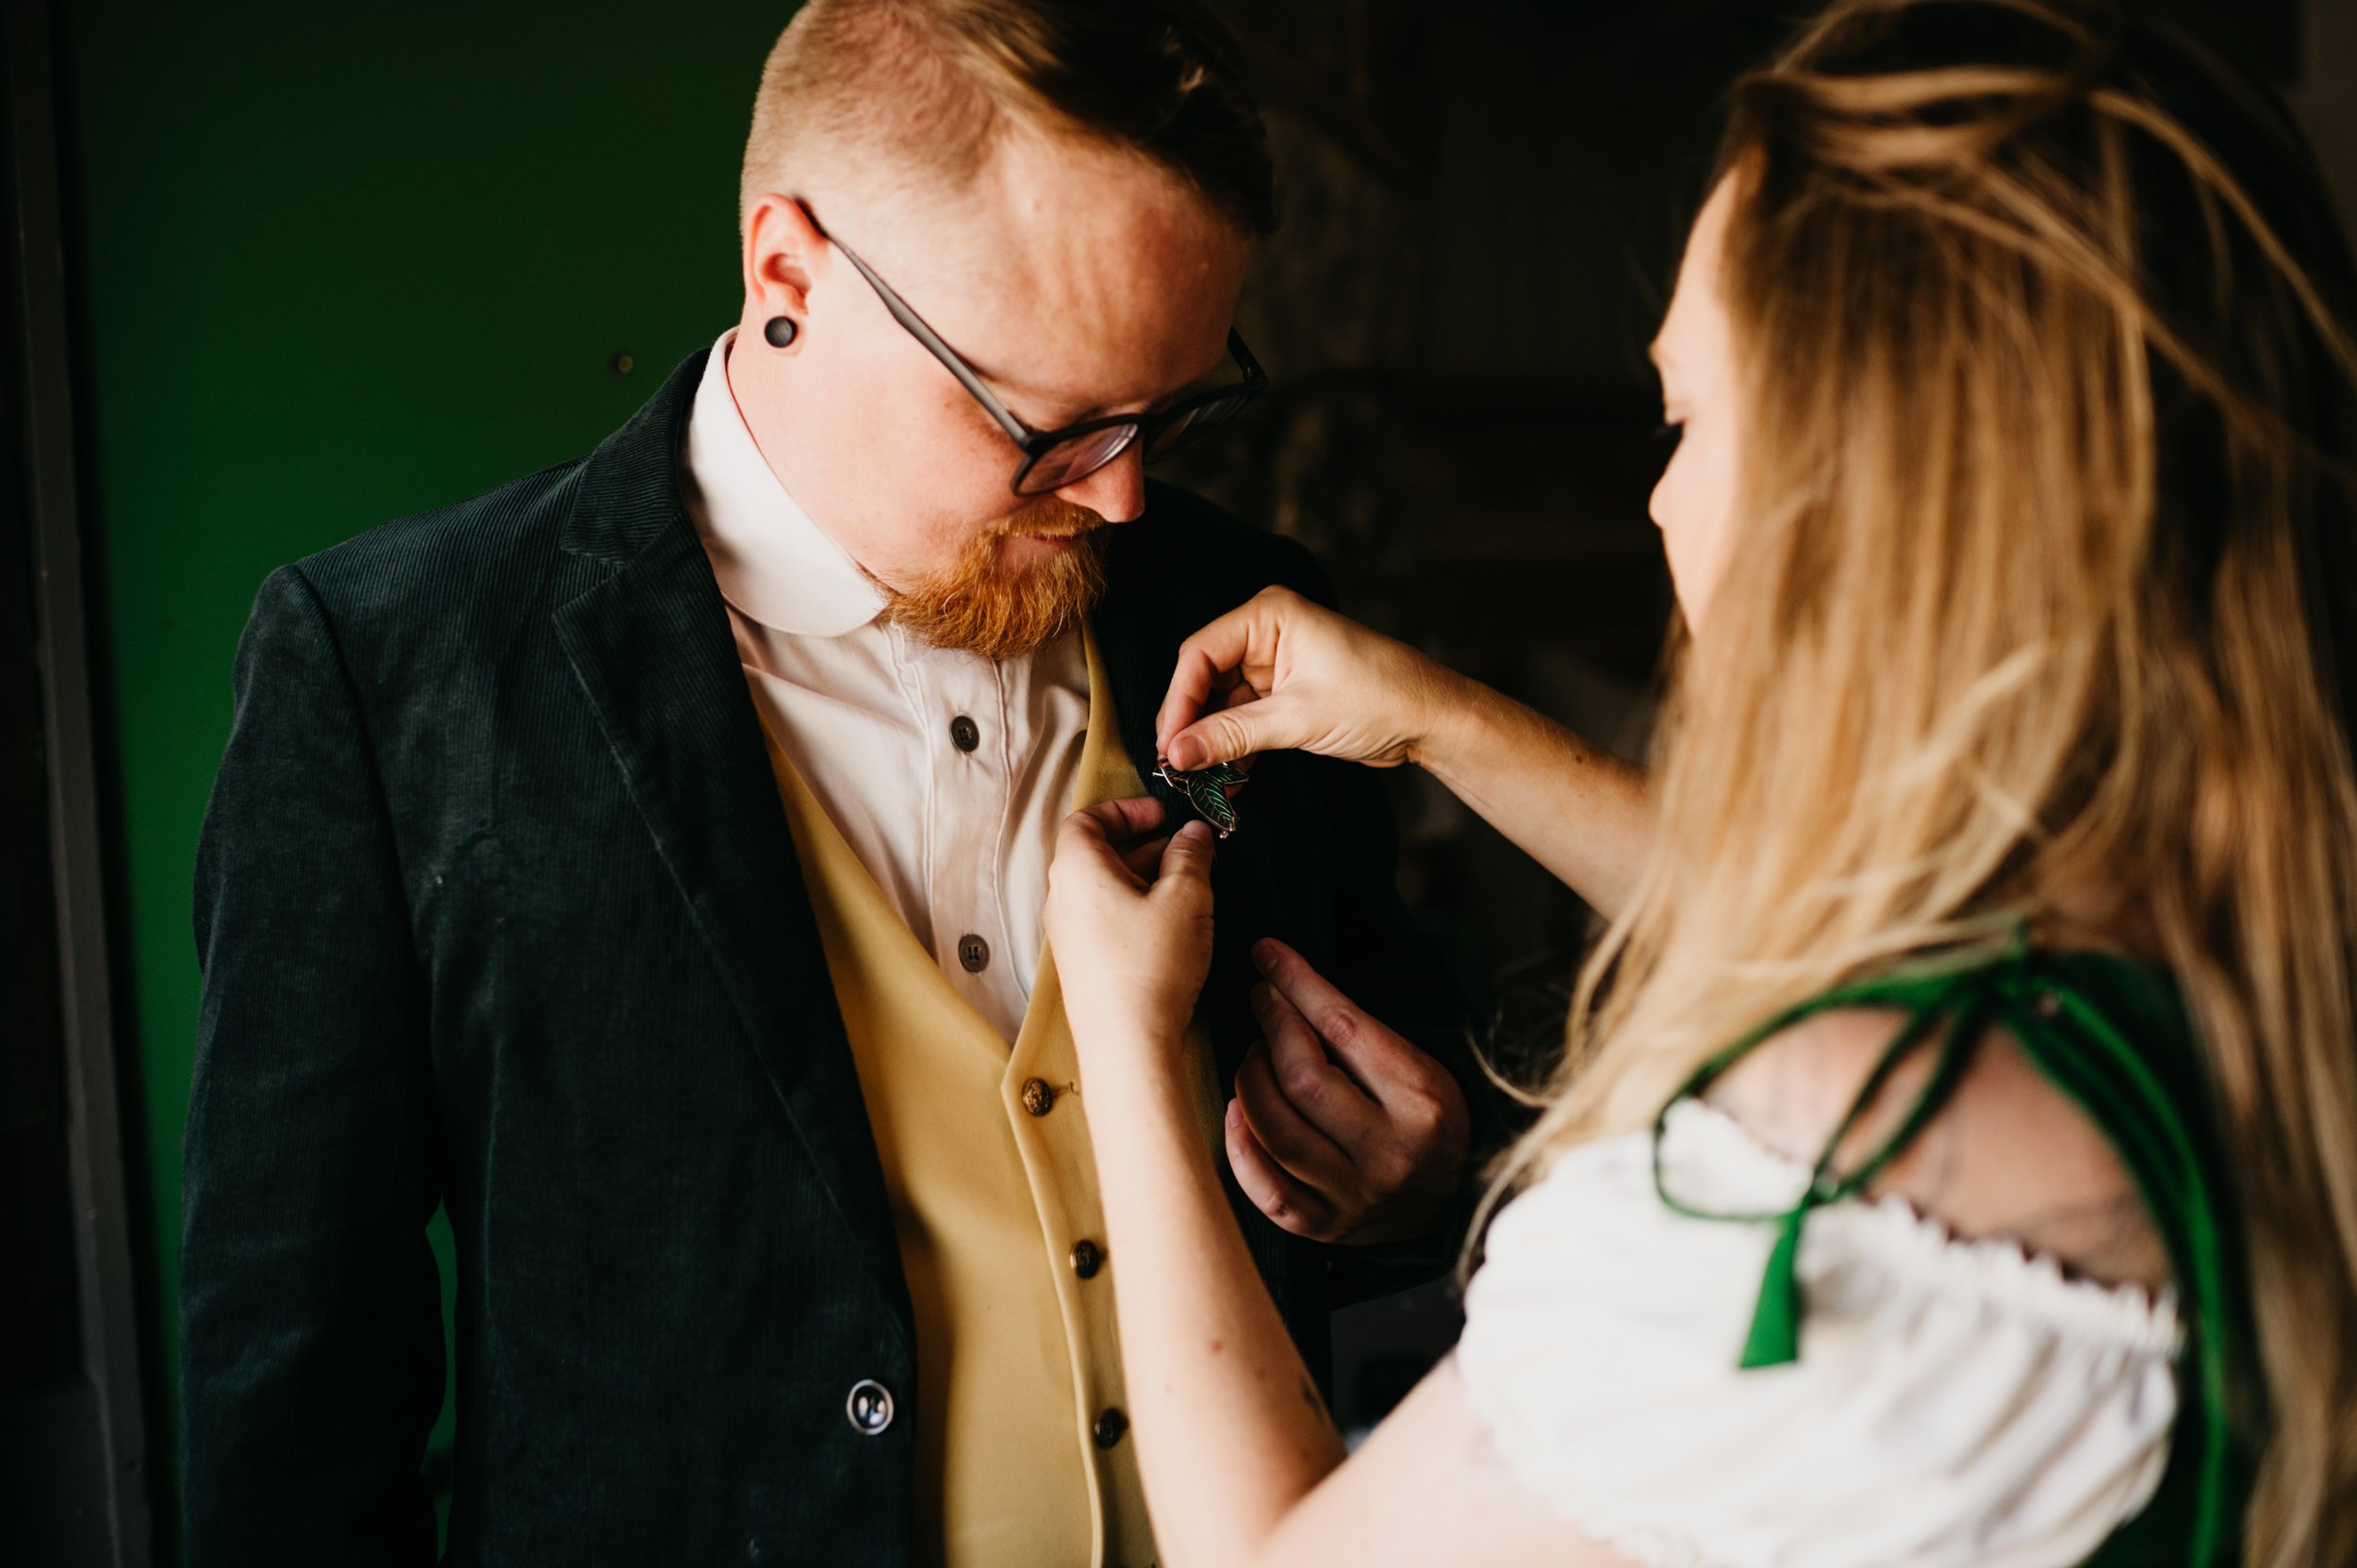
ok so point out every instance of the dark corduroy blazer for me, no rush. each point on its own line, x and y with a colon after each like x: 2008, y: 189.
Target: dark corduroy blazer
x: 498, y: 908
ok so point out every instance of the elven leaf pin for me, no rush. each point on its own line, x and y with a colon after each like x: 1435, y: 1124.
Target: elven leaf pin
x: 1207, y: 789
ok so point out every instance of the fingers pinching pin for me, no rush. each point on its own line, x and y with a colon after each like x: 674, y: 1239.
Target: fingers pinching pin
x: 1207, y: 789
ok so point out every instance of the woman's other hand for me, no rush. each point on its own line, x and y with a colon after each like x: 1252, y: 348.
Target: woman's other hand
x: 1128, y: 919
x: 1281, y: 673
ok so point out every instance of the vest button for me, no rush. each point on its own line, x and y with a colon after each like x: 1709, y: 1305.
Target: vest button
x: 965, y: 733
x: 1110, y: 1426
x: 1037, y: 1097
x: 1087, y: 1258
x: 974, y: 953
x: 869, y: 1407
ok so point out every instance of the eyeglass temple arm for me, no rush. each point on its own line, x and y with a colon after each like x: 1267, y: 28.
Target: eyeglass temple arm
x: 1021, y: 433
x: 1253, y: 374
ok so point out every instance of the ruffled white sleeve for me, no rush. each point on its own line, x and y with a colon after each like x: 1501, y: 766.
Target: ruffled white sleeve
x: 1954, y: 1402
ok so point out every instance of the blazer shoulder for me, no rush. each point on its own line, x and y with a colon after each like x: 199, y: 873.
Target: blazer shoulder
x: 428, y: 554
x: 413, y: 601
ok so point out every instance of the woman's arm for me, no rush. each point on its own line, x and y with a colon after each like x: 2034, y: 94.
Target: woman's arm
x: 1231, y: 1432
x: 1242, y: 1465
x: 1429, y: 1489
x: 1281, y: 673
x: 1580, y: 811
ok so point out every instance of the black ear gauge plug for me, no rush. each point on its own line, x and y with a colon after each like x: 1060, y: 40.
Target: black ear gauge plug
x: 781, y: 331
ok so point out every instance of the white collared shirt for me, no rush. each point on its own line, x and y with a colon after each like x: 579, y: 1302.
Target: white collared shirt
x: 958, y: 839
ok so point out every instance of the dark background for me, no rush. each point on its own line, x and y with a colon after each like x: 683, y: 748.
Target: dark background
x: 316, y: 267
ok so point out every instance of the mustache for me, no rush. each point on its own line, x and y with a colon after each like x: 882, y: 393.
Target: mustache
x: 1050, y: 517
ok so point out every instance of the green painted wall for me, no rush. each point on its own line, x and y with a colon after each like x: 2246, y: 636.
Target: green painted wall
x: 341, y: 264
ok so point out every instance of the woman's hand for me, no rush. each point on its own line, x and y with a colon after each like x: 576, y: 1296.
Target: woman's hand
x: 1280, y: 673
x: 1128, y: 919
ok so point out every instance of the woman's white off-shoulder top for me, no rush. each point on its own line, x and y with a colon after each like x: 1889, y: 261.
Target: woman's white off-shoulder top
x: 1954, y: 1402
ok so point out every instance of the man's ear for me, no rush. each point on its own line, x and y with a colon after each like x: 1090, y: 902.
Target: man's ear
x: 782, y: 250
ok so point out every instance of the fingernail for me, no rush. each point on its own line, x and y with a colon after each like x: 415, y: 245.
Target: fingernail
x: 1187, y: 753
x: 1235, y: 1113
x: 1262, y: 954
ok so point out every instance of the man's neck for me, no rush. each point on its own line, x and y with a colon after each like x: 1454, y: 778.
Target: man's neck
x: 765, y: 395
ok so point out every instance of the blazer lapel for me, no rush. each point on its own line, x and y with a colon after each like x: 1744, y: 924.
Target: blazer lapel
x: 1157, y: 595
x: 651, y: 649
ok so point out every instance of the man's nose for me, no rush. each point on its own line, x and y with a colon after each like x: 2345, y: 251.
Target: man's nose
x: 1116, y: 492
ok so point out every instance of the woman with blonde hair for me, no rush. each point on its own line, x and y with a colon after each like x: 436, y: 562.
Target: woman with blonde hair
x: 1955, y: 1156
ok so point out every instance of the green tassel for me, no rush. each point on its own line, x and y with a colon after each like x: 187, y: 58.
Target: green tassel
x: 1776, y: 1336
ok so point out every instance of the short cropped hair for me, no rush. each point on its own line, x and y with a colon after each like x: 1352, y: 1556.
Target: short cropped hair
x: 932, y: 85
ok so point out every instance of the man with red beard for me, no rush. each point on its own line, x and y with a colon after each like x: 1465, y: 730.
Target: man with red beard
x: 645, y: 861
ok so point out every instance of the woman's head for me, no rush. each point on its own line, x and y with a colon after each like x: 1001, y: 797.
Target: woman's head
x: 2013, y: 521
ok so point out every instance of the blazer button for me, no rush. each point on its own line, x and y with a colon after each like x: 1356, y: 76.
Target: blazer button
x: 869, y: 1407
x: 1110, y: 1426
x: 974, y: 953
x: 1087, y: 1258
x: 965, y: 733
x: 1037, y: 1097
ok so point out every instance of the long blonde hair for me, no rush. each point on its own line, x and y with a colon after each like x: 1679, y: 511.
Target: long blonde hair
x: 2042, y: 553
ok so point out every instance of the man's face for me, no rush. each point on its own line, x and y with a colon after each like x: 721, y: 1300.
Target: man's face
x: 1076, y: 281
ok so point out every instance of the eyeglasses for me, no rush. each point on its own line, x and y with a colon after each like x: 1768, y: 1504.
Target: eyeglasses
x: 1054, y: 458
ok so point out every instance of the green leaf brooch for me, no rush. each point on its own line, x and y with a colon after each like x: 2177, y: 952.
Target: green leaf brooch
x: 1207, y: 789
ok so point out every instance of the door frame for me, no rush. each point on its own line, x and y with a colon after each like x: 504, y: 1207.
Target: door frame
x: 91, y: 1438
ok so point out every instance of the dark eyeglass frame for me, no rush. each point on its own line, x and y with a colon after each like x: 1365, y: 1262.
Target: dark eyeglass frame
x: 1183, y: 423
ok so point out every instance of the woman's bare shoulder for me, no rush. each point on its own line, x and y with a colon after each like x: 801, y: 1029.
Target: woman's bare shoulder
x: 2010, y: 1154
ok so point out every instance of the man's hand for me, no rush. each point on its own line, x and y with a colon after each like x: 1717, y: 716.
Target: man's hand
x: 1341, y: 1131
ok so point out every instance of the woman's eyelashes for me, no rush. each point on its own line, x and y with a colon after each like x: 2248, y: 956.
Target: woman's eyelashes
x: 1666, y: 435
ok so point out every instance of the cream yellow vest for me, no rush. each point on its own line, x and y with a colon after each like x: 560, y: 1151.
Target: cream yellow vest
x: 1023, y: 1455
